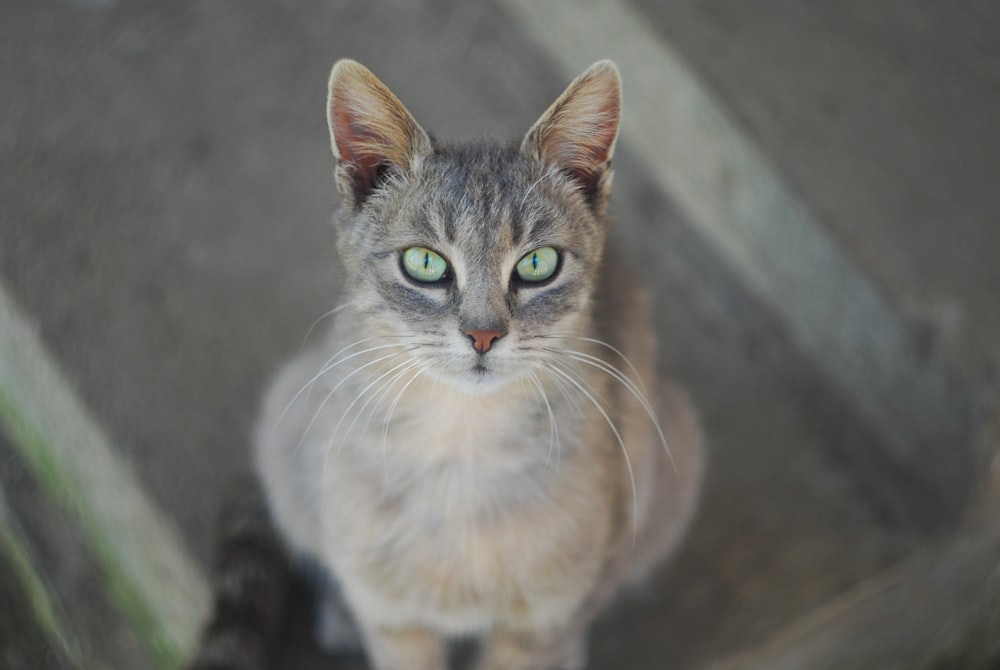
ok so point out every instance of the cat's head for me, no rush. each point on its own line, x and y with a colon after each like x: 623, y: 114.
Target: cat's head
x: 479, y: 257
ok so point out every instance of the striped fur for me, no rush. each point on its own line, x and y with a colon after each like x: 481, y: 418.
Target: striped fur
x: 250, y: 575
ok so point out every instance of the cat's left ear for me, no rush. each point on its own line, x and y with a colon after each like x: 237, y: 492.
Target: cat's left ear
x: 578, y: 132
x: 370, y: 130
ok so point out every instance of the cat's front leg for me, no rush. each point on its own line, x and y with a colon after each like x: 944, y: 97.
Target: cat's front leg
x: 557, y: 649
x: 404, y: 648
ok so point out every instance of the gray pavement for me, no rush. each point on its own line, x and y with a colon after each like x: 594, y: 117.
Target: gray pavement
x: 884, y: 116
x: 167, y: 185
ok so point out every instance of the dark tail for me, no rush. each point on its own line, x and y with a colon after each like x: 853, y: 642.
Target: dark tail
x: 250, y: 575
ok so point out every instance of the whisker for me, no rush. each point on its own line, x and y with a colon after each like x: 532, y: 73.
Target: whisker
x: 553, y: 426
x: 409, y: 343
x: 618, y: 437
x: 619, y: 376
x: 620, y: 353
x: 580, y: 377
x: 329, y: 395
x: 523, y: 387
x: 406, y: 365
x: 361, y: 394
x: 382, y: 394
x: 561, y: 385
x: 327, y: 315
x: 531, y: 188
x: 326, y: 367
x: 388, y: 417
x: 602, y: 343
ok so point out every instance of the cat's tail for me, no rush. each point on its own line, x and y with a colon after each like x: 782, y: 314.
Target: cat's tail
x: 251, y: 576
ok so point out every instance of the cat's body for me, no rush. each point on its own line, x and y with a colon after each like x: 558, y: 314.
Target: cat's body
x: 467, y: 515
x: 475, y: 450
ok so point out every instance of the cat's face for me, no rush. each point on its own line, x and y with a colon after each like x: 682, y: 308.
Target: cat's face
x: 477, y: 259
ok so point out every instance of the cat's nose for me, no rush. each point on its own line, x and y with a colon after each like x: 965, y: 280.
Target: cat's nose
x: 482, y: 340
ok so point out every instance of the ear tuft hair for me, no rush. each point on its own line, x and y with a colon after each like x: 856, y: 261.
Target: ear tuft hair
x: 577, y: 134
x: 370, y: 129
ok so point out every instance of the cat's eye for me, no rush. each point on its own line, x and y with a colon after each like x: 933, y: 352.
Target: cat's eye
x: 538, y: 265
x: 424, y: 265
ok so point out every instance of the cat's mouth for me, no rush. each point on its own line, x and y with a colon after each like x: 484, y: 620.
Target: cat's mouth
x: 483, y: 376
x: 480, y: 377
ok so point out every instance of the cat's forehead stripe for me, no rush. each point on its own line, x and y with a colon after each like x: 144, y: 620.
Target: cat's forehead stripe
x: 516, y: 222
x: 425, y: 224
x: 484, y: 189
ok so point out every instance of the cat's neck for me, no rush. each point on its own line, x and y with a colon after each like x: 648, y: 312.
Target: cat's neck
x: 445, y: 423
x: 466, y: 455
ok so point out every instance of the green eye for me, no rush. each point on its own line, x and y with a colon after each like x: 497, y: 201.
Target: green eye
x: 423, y: 264
x: 539, y: 265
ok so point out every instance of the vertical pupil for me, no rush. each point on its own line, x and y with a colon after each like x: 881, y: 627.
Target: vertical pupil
x: 534, y: 261
x: 427, y: 260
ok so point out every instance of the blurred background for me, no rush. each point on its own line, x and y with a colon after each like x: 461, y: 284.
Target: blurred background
x: 810, y: 189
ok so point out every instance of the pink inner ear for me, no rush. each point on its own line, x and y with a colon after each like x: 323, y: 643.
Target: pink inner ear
x: 353, y: 137
x: 578, y: 132
x: 584, y: 152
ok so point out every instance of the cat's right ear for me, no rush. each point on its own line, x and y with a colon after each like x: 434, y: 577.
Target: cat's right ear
x: 370, y: 130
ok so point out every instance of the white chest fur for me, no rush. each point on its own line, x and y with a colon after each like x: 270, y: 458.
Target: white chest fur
x: 466, y: 512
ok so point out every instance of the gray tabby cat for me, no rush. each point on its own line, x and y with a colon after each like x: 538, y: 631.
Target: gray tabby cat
x: 479, y: 446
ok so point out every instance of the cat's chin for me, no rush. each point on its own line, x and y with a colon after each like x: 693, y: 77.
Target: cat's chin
x: 477, y: 381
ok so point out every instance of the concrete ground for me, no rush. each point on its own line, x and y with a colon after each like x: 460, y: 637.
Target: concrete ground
x: 165, y: 194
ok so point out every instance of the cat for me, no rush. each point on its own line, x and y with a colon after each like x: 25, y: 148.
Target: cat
x: 480, y: 445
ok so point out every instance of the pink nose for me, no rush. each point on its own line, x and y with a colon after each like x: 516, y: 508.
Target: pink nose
x: 482, y: 340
